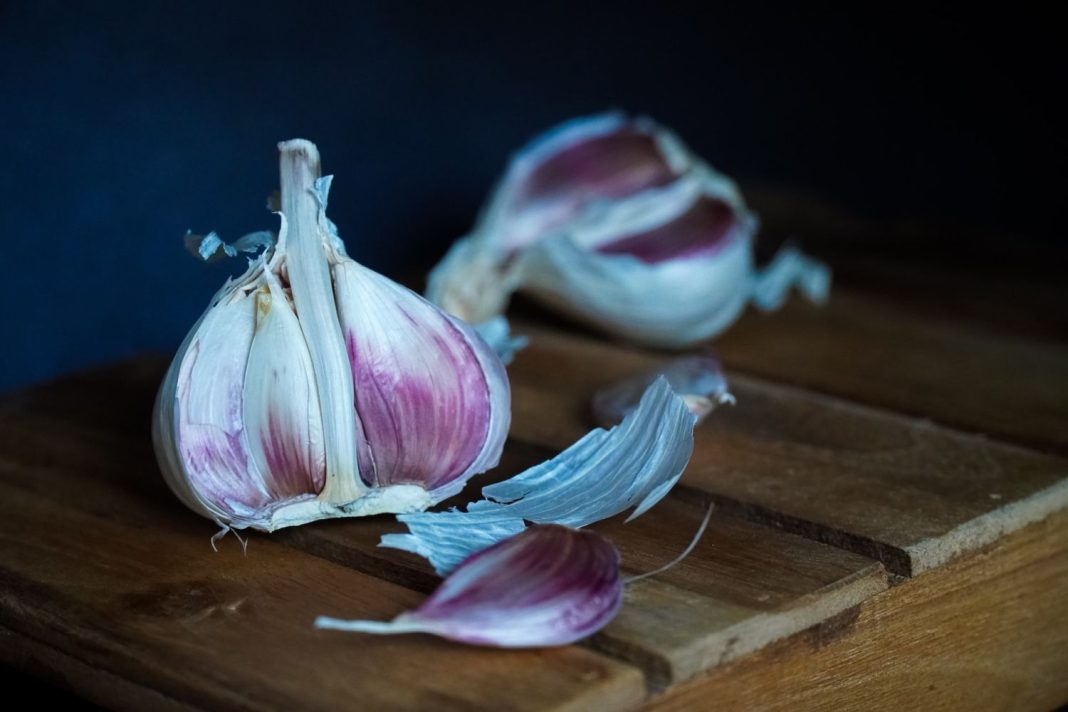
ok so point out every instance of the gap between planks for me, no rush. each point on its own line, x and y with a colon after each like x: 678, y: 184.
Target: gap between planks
x: 985, y: 632
x: 905, y: 491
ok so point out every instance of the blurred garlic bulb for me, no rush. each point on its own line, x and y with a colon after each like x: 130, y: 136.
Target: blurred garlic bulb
x: 614, y: 221
x: 313, y: 387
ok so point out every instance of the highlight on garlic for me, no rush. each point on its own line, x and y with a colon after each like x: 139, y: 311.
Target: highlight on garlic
x: 313, y: 387
x: 612, y: 220
x: 698, y: 379
x: 549, y: 585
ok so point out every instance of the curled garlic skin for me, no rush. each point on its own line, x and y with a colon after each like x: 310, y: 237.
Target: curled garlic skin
x: 697, y: 379
x: 612, y: 220
x: 313, y: 387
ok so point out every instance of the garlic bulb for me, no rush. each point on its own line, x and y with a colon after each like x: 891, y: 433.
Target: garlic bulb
x: 614, y: 221
x: 313, y: 387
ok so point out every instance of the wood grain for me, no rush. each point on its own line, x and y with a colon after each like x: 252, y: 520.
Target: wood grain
x: 100, y: 565
x: 786, y: 594
x: 744, y: 586
x: 905, y: 491
x: 867, y: 350
x: 987, y: 632
x: 969, y: 275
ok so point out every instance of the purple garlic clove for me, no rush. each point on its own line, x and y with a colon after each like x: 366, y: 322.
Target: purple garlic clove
x: 549, y: 585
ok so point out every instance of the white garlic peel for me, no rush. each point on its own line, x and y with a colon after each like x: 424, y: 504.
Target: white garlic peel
x: 698, y: 379
x: 614, y: 221
x: 632, y: 465
x: 313, y: 387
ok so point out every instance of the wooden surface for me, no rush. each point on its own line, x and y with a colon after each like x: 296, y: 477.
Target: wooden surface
x: 889, y: 529
x: 983, y: 633
x: 902, y: 490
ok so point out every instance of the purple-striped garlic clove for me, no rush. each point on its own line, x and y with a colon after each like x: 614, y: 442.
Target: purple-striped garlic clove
x: 426, y: 388
x: 314, y: 388
x: 614, y: 221
x: 698, y: 380
x: 549, y: 585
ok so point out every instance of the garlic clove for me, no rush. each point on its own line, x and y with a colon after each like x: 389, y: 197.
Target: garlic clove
x: 282, y: 413
x: 549, y: 585
x: 424, y: 396
x: 209, y: 463
x: 582, y: 162
x: 633, y: 465
x: 673, y: 301
x: 697, y: 379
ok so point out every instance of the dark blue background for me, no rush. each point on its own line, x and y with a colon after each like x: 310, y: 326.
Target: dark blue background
x: 125, y: 124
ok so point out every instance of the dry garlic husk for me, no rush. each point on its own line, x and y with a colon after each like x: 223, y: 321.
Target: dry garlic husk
x: 313, y: 387
x: 697, y: 379
x: 632, y: 465
x: 614, y: 221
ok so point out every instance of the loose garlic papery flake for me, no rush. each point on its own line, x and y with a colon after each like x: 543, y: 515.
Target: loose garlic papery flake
x: 313, y: 387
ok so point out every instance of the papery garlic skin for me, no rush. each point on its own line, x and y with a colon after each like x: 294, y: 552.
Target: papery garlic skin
x: 697, y: 379
x: 630, y: 466
x: 313, y: 387
x: 613, y: 221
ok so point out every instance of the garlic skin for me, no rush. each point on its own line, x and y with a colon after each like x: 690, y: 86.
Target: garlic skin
x: 613, y: 221
x: 632, y: 465
x: 313, y: 387
x: 697, y: 379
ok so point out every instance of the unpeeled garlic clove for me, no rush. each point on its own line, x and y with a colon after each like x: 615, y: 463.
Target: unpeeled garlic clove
x: 614, y: 221
x: 549, y: 585
x: 313, y: 387
x: 697, y: 379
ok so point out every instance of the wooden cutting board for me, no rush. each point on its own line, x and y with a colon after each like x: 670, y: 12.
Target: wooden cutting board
x: 889, y: 529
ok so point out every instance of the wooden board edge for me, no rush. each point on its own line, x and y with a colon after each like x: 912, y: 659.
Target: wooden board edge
x: 884, y: 657
x: 986, y: 529
x: 664, y: 668
x: 765, y: 629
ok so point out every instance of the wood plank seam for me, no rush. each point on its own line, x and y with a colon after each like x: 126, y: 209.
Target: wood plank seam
x: 895, y: 560
x: 754, y: 633
x: 844, y: 395
x: 988, y: 631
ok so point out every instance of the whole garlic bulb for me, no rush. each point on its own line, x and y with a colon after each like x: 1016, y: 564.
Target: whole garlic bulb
x: 614, y: 221
x: 313, y: 387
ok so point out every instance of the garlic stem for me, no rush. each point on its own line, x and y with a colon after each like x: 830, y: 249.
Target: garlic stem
x: 313, y: 297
